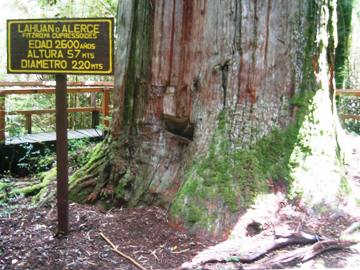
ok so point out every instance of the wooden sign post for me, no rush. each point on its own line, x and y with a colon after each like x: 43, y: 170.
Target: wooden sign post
x: 62, y: 155
x: 61, y: 47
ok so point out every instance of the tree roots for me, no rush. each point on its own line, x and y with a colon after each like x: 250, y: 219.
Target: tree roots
x: 247, y: 260
x: 41, y: 189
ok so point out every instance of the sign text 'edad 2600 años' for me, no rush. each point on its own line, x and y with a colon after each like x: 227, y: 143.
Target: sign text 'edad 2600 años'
x: 71, y: 46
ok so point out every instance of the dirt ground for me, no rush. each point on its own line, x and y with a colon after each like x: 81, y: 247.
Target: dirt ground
x: 27, y: 240
x: 27, y: 235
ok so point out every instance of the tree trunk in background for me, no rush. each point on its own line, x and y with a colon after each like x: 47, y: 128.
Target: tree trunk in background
x: 210, y: 98
x: 353, y: 56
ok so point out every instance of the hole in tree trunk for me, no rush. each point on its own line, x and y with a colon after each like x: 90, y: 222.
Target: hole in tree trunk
x: 253, y: 228
x: 180, y: 126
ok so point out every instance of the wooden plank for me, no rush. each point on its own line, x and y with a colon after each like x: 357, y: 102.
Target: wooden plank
x: 19, y: 140
x: 95, y: 132
x: 51, y: 90
x: 51, y: 136
x: 14, y: 140
x: 80, y: 133
x: 84, y: 133
x: 348, y: 92
x: 52, y: 83
x: 45, y: 111
x: 73, y: 134
x: 349, y: 116
x: 91, y: 132
x: 41, y: 137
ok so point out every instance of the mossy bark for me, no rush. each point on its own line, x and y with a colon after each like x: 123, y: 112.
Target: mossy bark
x: 345, y: 10
x: 320, y: 166
x: 40, y: 189
x: 248, y: 79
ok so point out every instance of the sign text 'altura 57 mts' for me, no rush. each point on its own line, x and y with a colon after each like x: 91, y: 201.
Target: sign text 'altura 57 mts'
x: 66, y: 46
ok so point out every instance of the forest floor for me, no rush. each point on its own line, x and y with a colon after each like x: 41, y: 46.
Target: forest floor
x: 27, y: 236
x: 27, y: 240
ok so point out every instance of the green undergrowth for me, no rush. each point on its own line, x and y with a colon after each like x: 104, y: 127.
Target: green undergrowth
x: 36, y: 187
x: 40, y: 186
x: 229, y: 177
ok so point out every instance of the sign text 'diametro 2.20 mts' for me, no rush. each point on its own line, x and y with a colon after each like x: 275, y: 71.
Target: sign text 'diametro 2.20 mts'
x: 67, y: 46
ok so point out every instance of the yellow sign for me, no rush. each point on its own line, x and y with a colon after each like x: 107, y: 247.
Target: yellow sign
x: 60, y: 46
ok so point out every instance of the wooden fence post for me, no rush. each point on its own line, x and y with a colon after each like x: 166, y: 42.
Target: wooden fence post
x: 28, y: 123
x: 2, y: 118
x: 94, y: 114
x: 105, y: 106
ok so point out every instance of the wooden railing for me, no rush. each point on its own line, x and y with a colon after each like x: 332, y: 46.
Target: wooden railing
x: 349, y: 92
x: 22, y: 88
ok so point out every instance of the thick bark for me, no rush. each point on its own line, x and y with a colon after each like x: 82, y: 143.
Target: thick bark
x: 202, y: 89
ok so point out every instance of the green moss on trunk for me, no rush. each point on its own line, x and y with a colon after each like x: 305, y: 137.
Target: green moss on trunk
x: 229, y: 177
x: 344, y: 11
x: 82, y: 183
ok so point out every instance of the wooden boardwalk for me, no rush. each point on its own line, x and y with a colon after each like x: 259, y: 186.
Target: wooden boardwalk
x: 51, y: 136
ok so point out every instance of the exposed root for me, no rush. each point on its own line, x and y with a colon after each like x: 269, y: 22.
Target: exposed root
x: 40, y: 189
x: 106, y: 167
x: 352, y: 233
x: 88, y: 183
x: 85, y: 179
x: 43, y: 189
x: 246, y: 259
x: 300, y: 255
x: 352, y: 228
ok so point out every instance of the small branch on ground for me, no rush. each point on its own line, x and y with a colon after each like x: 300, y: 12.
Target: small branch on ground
x: 114, y: 248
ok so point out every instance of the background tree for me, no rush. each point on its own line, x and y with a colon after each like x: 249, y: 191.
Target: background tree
x: 214, y: 102
x: 347, y: 60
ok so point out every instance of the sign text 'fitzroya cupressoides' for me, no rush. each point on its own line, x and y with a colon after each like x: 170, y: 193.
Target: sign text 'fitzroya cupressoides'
x: 67, y: 46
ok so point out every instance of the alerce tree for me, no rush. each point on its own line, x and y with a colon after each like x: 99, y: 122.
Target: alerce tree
x: 214, y: 101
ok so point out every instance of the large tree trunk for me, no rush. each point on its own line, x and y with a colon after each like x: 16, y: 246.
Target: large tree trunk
x: 210, y: 98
